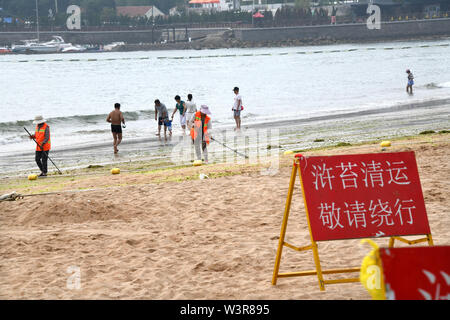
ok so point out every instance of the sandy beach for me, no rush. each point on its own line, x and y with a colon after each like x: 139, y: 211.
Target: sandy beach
x: 166, y: 234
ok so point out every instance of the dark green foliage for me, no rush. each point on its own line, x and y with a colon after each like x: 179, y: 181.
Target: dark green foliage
x: 343, y: 144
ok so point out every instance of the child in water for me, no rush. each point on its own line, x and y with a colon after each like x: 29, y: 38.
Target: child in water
x: 169, y: 127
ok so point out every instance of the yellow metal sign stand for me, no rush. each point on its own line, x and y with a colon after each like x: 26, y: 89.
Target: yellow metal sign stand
x: 313, y: 246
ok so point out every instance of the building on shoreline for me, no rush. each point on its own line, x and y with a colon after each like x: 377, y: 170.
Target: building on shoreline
x: 139, y: 11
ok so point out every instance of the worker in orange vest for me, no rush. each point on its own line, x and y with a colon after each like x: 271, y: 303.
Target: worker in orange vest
x: 42, y: 137
x: 199, y: 131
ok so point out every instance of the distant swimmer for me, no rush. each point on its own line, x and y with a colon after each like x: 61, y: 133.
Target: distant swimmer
x: 181, y: 107
x: 43, y: 143
x: 162, y: 116
x: 410, y: 82
x: 237, y: 108
x: 191, y: 109
x: 115, y: 117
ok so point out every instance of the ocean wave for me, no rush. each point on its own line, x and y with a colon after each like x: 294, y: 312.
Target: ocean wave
x: 434, y: 85
x: 13, y: 126
x: 95, y: 131
x: 249, y: 115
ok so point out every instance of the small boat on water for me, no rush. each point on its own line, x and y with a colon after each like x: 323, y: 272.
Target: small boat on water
x: 57, y: 44
x: 33, y: 46
x: 4, y: 50
x: 113, y: 46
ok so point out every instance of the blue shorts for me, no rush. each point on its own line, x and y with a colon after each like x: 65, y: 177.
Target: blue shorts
x: 410, y: 82
x: 237, y: 113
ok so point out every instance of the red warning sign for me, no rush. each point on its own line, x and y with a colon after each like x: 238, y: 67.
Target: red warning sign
x: 363, y: 196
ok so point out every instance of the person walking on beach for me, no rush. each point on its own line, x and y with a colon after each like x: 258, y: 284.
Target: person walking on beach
x: 181, y: 107
x: 191, y: 109
x: 199, y: 132
x: 43, y: 145
x: 237, y: 108
x: 410, y: 82
x: 162, y: 116
x: 115, y: 117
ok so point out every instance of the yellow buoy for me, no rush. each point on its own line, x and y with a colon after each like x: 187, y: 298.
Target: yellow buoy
x: 115, y: 170
x: 288, y: 152
x: 197, y: 163
x: 371, y: 273
x: 32, y: 177
x: 385, y: 144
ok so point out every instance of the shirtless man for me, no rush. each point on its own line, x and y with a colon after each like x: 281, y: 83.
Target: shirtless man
x: 115, y: 117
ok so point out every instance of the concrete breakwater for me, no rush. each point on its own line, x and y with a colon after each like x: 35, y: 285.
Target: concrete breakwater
x: 349, y: 32
x: 245, y: 37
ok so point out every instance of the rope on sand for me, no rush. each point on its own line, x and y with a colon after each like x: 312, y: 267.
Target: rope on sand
x: 18, y: 196
x: 11, y: 196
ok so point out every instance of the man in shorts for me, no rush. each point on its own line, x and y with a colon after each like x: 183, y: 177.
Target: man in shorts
x: 115, y: 117
x: 162, y: 116
x: 237, y: 107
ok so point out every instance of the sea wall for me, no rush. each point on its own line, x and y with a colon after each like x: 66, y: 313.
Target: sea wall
x: 350, y: 32
x: 341, y: 32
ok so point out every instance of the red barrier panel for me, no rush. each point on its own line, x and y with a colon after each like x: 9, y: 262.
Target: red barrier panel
x: 416, y: 273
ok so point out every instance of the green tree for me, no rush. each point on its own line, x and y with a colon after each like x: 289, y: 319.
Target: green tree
x: 108, y: 15
x: 303, y: 3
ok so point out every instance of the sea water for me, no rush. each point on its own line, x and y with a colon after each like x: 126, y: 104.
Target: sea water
x: 75, y: 92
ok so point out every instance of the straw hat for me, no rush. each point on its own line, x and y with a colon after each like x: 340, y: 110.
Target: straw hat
x: 39, y: 120
x: 205, y: 109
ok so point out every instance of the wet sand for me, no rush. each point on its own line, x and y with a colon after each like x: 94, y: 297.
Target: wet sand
x: 325, y: 130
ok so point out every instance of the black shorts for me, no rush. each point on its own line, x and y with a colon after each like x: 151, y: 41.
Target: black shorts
x: 116, y: 128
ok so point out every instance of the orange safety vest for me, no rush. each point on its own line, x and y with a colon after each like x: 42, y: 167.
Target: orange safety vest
x: 198, y: 124
x: 40, y: 137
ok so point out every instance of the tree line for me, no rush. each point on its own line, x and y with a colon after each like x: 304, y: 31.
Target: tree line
x: 103, y: 12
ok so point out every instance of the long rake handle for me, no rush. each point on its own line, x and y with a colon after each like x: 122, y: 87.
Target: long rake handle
x: 42, y: 149
x: 242, y: 155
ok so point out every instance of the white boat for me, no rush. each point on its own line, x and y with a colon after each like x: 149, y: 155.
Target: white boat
x: 32, y: 46
x: 43, y: 48
x: 113, y: 46
x: 57, y: 44
x: 73, y: 48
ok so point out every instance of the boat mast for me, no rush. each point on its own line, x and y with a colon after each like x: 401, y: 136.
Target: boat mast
x: 37, y: 20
